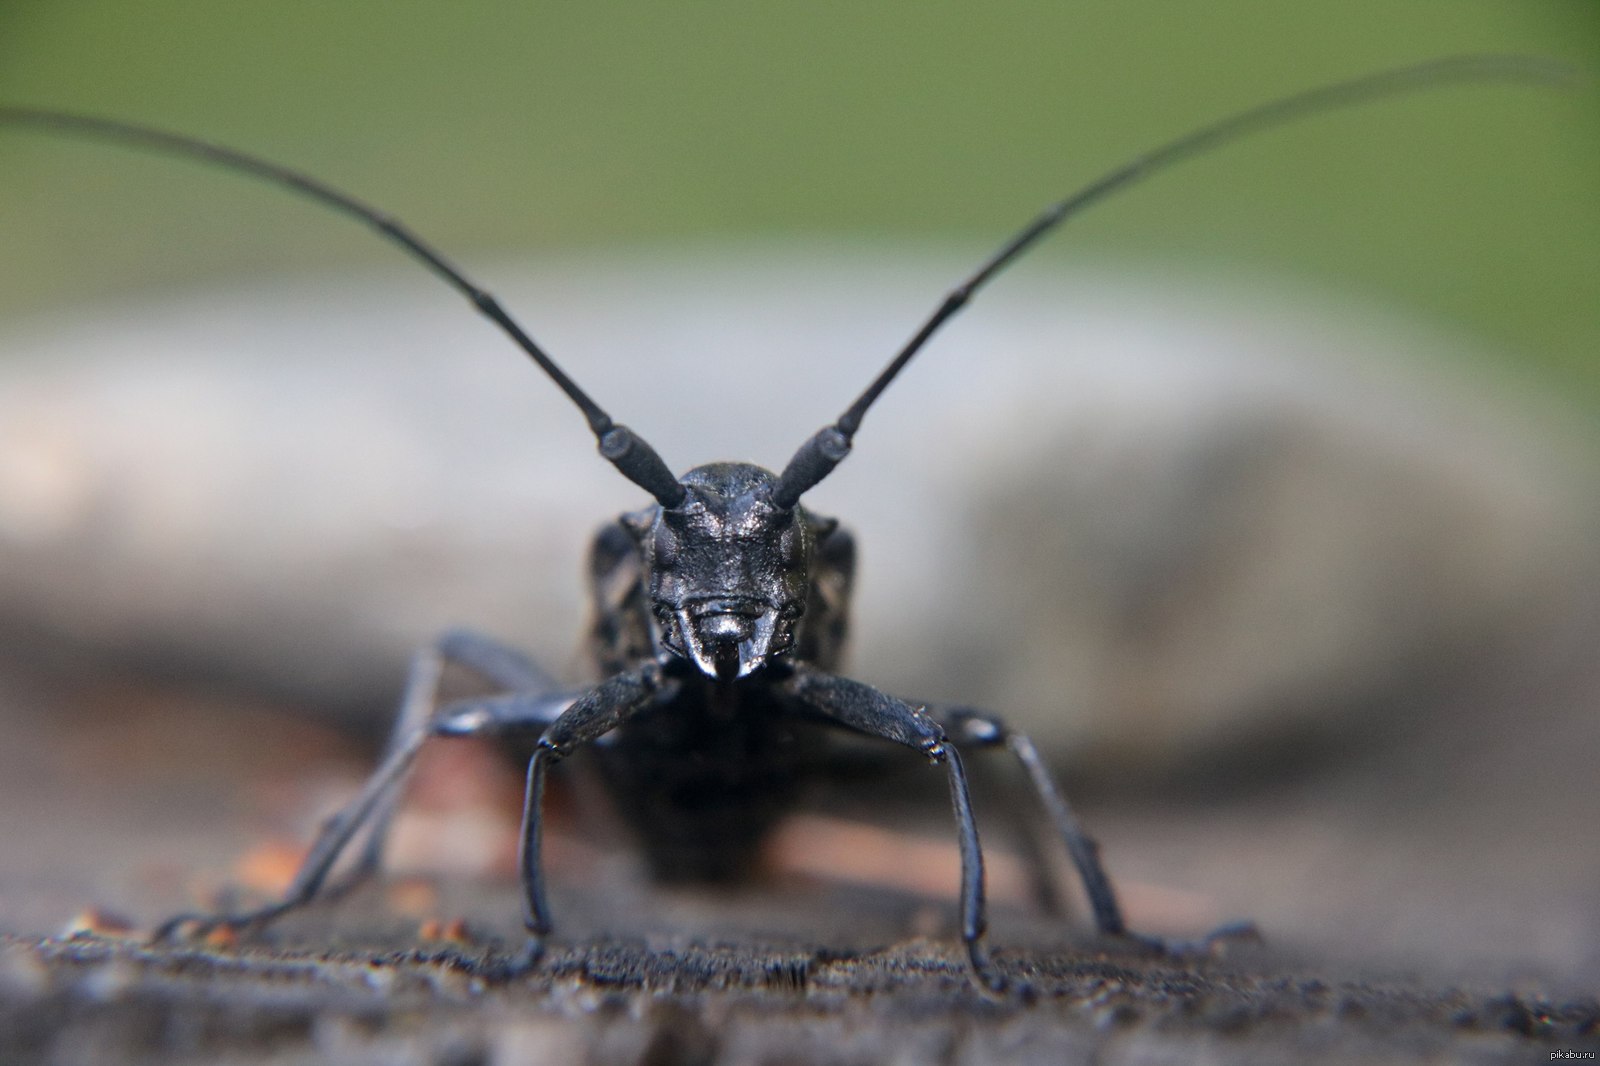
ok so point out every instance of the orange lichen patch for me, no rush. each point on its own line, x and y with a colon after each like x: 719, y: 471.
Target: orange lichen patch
x: 222, y: 936
x: 92, y: 921
x: 269, y: 867
x: 454, y: 931
x: 412, y: 896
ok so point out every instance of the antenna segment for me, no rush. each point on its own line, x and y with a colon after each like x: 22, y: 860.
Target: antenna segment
x: 824, y: 450
x: 628, y: 452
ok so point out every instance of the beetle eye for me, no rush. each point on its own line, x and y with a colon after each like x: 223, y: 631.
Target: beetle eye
x: 791, y: 610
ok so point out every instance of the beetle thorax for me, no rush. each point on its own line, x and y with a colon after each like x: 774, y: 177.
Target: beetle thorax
x: 728, y: 571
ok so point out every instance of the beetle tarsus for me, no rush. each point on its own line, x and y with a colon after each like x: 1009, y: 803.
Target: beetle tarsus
x: 984, y: 971
x: 197, y: 925
x: 521, y: 962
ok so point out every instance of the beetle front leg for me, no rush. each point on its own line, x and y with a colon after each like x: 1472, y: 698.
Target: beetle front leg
x: 863, y: 708
x: 589, y: 717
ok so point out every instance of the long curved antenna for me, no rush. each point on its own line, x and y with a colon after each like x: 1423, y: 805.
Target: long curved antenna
x: 629, y: 453
x: 823, y: 451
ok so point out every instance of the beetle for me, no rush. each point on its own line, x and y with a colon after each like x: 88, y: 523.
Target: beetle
x: 721, y: 609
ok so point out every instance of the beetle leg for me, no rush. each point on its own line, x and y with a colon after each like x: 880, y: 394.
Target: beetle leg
x: 863, y: 708
x: 981, y: 729
x: 494, y: 661
x: 984, y: 730
x: 587, y: 718
x: 419, y: 719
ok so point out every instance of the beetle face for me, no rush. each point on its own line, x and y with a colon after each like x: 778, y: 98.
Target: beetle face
x: 728, y: 571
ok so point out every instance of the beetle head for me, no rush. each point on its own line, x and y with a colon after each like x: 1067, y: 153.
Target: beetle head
x: 728, y: 569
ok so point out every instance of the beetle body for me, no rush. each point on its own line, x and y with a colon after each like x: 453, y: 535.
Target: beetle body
x: 775, y: 588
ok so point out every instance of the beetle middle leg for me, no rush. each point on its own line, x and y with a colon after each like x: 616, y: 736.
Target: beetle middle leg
x: 532, y: 705
x: 980, y: 729
x: 501, y: 665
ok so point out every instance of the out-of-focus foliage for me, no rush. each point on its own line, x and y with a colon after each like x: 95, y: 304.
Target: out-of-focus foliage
x: 513, y: 125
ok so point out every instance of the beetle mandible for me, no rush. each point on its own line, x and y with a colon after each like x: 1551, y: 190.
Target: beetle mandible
x: 721, y: 609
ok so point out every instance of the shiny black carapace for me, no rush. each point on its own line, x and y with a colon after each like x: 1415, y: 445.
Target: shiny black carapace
x: 720, y: 611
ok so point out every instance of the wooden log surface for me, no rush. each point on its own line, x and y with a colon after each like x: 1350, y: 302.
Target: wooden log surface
x: 740, y: 1001
x: 795, y: 968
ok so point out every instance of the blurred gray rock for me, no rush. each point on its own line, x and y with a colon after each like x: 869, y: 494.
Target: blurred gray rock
x: 1139, y: 521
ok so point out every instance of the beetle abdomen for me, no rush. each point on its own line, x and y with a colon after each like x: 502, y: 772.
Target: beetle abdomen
x: 701, y: 787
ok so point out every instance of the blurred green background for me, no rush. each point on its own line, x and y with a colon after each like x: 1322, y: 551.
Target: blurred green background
x: 501, y: 127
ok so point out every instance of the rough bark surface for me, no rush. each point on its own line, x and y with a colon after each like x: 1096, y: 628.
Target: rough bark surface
x: 91, y: 999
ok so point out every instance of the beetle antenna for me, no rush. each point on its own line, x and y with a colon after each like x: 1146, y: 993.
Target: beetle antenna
x: 629, y: 453
x: 817, y: 457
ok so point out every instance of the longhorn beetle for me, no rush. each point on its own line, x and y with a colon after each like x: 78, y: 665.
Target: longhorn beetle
x: 721, y: 609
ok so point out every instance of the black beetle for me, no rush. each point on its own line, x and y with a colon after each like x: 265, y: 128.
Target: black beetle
x: 721, y: 610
